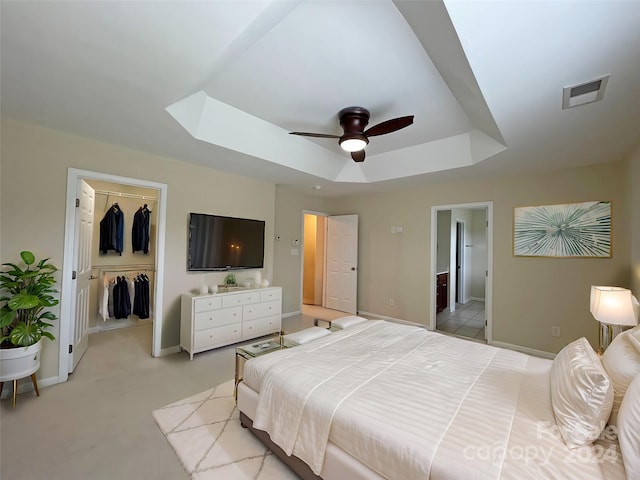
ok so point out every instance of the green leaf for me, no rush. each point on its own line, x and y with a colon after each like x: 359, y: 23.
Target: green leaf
x: 24, y: 335
x: 23, y: 301
x: 6, y: 316
x: 48, y: 316
x: 48, y: 335
x: 27, y: 257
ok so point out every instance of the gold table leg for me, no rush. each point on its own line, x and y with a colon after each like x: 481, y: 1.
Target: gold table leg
x: 15, y: 391
x: 35, y: 384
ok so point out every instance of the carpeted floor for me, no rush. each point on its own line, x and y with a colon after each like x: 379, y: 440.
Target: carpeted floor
x: 205, y: 432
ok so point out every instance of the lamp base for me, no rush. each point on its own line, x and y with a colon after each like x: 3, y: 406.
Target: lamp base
x: 607, y: 334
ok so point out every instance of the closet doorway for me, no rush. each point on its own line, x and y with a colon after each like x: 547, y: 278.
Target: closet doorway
x: 329, y: 267
x: 110, y: 306
x: 82, y: 309
x: 462, y: 263
x: 313, y: 259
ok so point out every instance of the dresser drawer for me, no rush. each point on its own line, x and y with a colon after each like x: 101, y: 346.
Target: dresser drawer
x: 217, y: 336
x: 263, y: 326
x: 240, y: 299
x: 271, y: 294
x: 259, y: 310
x: 206, y: 303
x: 217, y: 318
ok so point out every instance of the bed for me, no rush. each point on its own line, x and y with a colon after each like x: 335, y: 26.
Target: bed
x: 380, y: 400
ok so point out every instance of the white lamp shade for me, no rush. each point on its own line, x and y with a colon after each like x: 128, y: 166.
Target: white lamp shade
x: 614, y: 306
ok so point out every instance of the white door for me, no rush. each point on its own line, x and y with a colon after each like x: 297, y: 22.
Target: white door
x: 79, y: 336
x: 342, y: 263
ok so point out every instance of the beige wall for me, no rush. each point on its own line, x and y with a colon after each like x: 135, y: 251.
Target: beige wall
x: 633, y: 189
x: 34, y: 175
x: 530, y: 295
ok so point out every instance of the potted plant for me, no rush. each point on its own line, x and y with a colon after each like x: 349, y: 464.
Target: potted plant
x: 27, y: 293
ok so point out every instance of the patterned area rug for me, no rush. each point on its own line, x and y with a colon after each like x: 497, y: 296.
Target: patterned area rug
x: 205, y: 432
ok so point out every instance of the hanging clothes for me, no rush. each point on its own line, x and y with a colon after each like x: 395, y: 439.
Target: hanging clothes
x: 103, y: 298
x: 140, y: 230
x: 141, y: 301
x: 112, y: 230
x: 111, y: 288
x: 121, y: 300
x: 122, y: 296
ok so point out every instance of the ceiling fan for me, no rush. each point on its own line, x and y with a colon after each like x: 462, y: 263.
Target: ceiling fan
x: 353, y: 121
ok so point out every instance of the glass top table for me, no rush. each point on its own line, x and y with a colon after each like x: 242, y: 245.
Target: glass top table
x: 246, y: 352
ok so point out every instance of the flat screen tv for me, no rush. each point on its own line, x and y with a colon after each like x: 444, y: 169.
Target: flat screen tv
x: 224, y: 243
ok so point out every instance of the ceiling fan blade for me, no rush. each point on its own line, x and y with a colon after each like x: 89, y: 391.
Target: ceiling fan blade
x: 358, y: 156
x: 389, y: 126
x: 319, y: 135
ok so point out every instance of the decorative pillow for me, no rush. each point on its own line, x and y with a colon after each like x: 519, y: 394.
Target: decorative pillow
x: 629, y: 429
x: 306, y: 335
x: 581, y: 393
x: 345, y: 322
x: 621, y: 361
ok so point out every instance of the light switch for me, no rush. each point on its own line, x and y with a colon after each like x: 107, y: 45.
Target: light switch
x: 294, y: 251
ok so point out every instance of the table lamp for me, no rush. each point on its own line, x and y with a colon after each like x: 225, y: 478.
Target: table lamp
x: 614, y: 308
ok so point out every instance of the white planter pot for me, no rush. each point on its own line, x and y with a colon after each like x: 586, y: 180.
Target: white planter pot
x: 19, y: 362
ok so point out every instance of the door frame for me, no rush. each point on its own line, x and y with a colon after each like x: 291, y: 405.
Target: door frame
x: 324, y: 257
x: 66, y: 323
x: 488, y: 305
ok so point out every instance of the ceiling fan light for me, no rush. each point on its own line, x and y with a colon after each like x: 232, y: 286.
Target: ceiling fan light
x: 353, y: 143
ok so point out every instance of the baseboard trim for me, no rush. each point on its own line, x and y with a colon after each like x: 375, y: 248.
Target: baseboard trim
x: 291, y: 314
x: 25, y: 385
x: 391, y: 319
x: 527, y: 350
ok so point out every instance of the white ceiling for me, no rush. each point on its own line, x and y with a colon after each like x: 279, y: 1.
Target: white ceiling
x: 221, y: 83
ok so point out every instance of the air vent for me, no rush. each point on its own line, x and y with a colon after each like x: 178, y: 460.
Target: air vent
x: 584, y: 93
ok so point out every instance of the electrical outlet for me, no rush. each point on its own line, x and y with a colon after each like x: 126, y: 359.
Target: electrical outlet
x: 555, y: 331
x: 392, y: 302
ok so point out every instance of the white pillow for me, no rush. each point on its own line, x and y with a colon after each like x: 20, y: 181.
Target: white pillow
x: 348, y: 321
x: 629, y: 429
x: 621, y: 361
x: 306, y: 335
x: 581, y: 393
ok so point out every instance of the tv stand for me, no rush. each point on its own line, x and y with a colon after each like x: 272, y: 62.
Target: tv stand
x: 212, y: 321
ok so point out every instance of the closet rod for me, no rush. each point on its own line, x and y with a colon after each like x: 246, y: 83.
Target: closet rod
x: 126, y: 195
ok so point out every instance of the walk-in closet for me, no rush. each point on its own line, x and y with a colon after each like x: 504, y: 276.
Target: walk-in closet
x: 122, y: 256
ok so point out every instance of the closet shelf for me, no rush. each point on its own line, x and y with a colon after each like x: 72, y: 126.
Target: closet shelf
x: 124, y: 268
x: 125, y: 195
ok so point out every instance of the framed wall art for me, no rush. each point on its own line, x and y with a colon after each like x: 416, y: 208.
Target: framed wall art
x: 574, y: 230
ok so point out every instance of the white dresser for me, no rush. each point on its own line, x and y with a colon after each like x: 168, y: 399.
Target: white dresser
x: 211, y: 321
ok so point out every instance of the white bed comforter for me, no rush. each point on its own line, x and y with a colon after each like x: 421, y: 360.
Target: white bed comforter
x: 412, y: 404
